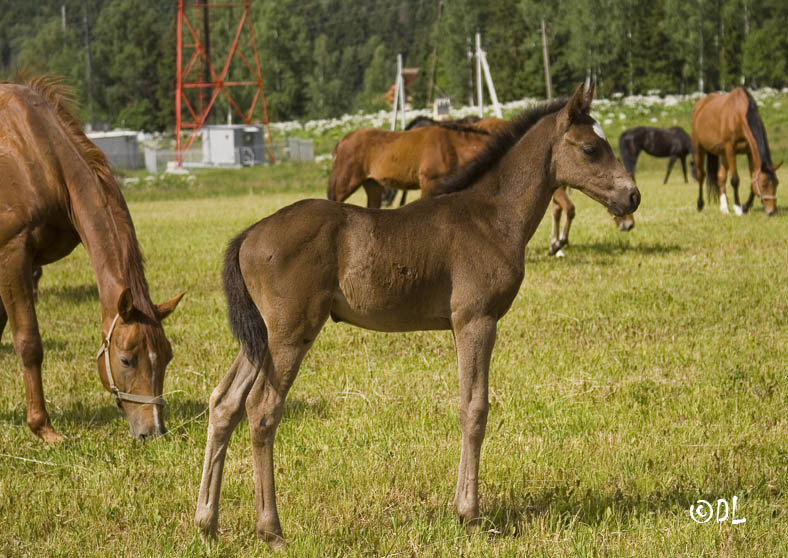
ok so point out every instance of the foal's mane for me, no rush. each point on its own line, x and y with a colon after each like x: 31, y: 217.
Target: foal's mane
x: 60, y: 98
x: 759, y: 133
x: 500, y: 143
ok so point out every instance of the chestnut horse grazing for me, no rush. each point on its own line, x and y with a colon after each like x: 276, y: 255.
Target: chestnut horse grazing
x: 57, y: 190
x: 406, y: 160
x: 454, y: 261
x: 724, y: 124
x: 671, y: 142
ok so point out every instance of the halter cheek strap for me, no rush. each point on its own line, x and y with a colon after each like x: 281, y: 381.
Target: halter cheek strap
x: 121, y: 395
x: 755, y: 176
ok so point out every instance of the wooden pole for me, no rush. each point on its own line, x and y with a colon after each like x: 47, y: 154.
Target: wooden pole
x: 547, y: 80
x: 479, y: 91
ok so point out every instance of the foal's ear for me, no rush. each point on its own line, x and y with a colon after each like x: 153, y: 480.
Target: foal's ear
x: 580, y: 103
x: 125, y: 305
x: 166, y: 308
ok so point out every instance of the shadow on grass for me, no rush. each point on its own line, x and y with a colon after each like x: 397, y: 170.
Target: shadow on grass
x: 614, y: 248
x: 583, y: 507
x: 71, y: 293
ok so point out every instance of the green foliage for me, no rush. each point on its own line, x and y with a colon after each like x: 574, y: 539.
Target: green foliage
x: 321, y: 58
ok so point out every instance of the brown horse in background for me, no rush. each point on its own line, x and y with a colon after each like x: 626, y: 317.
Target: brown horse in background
x: 56, y: 191
x: 724, y: 124
x: 406, y: 160
x: 453, y: 261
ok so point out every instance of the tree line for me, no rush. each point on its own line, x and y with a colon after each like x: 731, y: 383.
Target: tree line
x: 324, y: 58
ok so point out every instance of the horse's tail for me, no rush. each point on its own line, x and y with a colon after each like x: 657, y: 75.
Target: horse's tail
x: 712, y: 166
x: 246, y: 322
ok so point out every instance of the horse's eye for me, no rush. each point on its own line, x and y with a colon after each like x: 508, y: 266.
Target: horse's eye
x: 589, y: 149
x: 125, y: 362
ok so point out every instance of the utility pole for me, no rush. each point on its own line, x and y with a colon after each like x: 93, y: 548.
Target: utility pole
x: 479, y: 91
x: 431, y: 87
x: 547, y: 79
x: 399, y: 96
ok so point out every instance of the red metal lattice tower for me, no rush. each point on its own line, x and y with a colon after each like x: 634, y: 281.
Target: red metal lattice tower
x: 199, y: 74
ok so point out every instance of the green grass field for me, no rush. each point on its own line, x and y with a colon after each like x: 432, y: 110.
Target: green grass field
x: 642, y: 372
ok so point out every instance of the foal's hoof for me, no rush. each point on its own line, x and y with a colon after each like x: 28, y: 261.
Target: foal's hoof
x: 273, y: 540
x: 206, y: 522
x: 49, y: 435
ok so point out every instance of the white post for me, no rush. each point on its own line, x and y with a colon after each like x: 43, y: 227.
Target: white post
x: 479, y: 91
x: 399, y: 96
x: 491, y: 86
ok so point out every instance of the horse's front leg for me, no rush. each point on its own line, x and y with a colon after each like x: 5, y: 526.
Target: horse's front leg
x: 475, y: 341
x: 374, y: 193
x: 226, y: 408
x: 731, y: 157
x: 722, y: 178
x: 684, y: 167
x: 16, y: 292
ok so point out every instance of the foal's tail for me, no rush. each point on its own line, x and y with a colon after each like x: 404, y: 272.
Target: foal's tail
x: 246, y: 322
x: 712, y: 166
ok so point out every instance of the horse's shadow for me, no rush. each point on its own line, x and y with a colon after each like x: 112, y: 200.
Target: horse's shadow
x: 615, y: 249
x: 583, y: 507
x: 71, y: 293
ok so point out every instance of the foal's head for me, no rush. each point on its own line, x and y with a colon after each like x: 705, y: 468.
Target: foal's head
x: 583, y: 158
x: 137, y: 352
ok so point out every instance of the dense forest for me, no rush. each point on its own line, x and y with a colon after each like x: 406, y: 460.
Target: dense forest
x: 322, y: 58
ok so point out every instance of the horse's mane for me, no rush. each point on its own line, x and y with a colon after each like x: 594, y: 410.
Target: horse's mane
x: 499, y: 145
x: 759, y: 133
x: 60, y: 97
x: 454, y: 125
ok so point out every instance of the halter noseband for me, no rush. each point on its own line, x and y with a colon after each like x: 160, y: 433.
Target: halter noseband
x: 757, y: 185
x: 121, y: 395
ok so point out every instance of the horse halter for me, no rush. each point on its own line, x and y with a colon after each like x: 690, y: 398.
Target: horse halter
x: 755, y: 176
x: 121, y: 395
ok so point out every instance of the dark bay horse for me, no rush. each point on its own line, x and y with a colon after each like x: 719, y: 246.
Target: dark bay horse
x: 57, y: 191
x: 671, y: 142
x: 453, y: 261
x: 724, y: 124
x: 406, y: 160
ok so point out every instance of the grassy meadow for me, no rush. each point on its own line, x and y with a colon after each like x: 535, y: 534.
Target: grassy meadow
x: 642, y: 372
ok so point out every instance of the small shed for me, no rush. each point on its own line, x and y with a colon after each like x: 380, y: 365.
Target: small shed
x: 232, y: 145
x: 120, y: 146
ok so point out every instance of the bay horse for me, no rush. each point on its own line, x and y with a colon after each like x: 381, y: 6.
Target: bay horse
x: 57, y: 191
x: 724, y: 124
x: 452, y: 261
x: 671, y: 142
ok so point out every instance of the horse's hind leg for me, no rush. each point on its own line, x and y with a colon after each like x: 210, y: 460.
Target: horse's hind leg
x: 264, y: 408
x: 561, y: 202
x: 475, y: 341
x: 684, y: 167
x: 3, y: 319
x: 700, y: 169
x: 16, y: 291
x: 671, y: 162
x: 226, y: 408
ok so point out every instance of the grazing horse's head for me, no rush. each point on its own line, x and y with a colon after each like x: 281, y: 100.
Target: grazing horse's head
x: 132, y: 361
x: 764, y: 185
x: 583, y: 159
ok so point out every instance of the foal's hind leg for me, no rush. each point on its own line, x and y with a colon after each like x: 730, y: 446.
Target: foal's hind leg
x: 3, y: 319
x: 226, y: 408
x: 561, y: 202
x: 16, y: 291
x: 475, y: 341
x: 287, y: 347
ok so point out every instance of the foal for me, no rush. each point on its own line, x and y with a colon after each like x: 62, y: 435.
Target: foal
x: 398, y: 270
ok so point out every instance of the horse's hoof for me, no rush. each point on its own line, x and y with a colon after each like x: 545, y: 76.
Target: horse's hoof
x: 738, y: 210
x: 559, y: 254
x: 700, y: 205
x: 49, y: 435
x: 207, y: 524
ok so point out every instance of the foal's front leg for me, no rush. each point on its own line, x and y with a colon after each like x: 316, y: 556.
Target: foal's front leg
x: 475, y: 341
x: 226, y: 409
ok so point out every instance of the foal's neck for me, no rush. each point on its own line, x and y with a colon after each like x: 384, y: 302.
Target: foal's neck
x: 521, y: 184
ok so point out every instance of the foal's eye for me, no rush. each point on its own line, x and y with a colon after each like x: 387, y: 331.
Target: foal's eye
x: 589, y: 149
x: 125, y: 362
